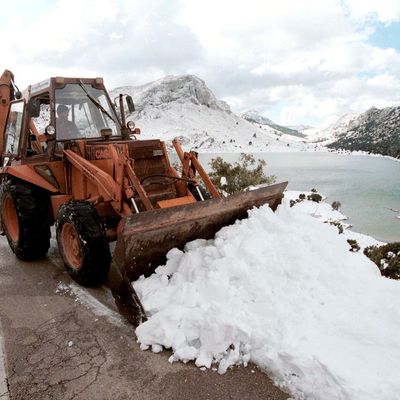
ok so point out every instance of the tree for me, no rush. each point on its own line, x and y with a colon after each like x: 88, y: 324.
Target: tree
x: 239, y: 175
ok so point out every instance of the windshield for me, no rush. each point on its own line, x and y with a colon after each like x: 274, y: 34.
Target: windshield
x: 78, y: 116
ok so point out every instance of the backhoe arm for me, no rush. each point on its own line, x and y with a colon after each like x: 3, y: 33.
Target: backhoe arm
x: 189, y: 160
x: 6, y: 95
x: 107, y: 187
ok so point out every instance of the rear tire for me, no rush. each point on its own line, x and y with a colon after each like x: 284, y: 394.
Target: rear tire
x: 25, y: 219
x: 82, y: 243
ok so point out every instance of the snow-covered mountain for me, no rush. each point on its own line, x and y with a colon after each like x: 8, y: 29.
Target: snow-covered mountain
x: 300, y: 128
x: 183, y: 106
x: 170, y: 90
x: 256, y: 118
x: 329, y: 134
x: 375, y: 131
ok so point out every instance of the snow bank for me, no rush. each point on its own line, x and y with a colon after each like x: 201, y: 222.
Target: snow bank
x: 283, y: 291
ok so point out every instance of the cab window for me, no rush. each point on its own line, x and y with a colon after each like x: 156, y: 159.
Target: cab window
x: 13, y: 128
x: 82, y: 111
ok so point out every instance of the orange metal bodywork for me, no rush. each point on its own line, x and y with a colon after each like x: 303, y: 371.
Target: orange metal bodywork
x: 176, y: 202
x: 58, y: 200
x: 27, y: 173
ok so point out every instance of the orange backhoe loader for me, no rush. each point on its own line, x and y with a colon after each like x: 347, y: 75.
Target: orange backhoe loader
x: 70, y: 158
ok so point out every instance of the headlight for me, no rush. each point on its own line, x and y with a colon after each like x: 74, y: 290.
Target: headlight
x: 50, y: 130
x: 130, y: 125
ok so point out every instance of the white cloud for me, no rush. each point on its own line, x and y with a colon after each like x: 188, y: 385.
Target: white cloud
x: 386, y: 11
x: 306, y: 61
x: 385, y: 81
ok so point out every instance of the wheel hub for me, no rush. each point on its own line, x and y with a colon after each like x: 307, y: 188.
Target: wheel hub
x: 72, y: 246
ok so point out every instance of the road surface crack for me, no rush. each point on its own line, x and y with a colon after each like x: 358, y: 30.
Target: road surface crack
x: 62, y: 356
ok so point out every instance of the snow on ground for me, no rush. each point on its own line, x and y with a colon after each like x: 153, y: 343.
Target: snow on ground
x: 281, y: 290
x: 324, y: 213
x: 85, y: 298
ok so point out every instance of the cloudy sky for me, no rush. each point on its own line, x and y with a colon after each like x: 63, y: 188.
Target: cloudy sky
x: 296, y: 62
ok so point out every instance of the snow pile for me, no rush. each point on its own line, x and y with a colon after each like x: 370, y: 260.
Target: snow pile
x: 283, y: 291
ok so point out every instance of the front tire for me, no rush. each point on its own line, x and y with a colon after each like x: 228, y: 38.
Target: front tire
x: 82, y: 243
x: 25, y: 219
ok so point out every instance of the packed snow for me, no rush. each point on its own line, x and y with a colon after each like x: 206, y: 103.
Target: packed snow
x: 281, y: 290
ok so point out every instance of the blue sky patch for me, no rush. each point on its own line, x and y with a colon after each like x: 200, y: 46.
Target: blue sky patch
x: 386, y: 36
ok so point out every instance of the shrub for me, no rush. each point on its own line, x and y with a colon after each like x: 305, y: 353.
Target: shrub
x: 314, y: 196
x: 353, y: 245
x: 387, y: 258
x: 338, y: 225
x: 239, y: 175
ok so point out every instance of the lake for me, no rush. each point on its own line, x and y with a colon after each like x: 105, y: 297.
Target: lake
x: 367, y: 187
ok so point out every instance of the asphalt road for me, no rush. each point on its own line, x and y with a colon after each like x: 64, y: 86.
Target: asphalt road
x: 54, y: 345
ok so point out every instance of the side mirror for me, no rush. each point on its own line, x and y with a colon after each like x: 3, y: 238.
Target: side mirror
x: 34, y: 108
x: 129, y: 102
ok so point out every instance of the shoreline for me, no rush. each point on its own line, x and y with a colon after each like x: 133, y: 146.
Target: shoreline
x: 324, y: 212
x: 294, y: 150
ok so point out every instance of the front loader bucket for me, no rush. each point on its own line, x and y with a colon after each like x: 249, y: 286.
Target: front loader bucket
x: 145, y: 238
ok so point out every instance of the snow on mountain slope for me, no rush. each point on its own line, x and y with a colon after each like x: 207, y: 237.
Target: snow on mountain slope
x: 173, y: 89
x: 257, y: 119
x: 374, y: 131
x: 329, y: 134
x: 300, y: 128
x: 183, y: 106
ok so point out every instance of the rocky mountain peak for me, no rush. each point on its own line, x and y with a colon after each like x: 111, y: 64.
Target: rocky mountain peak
x: 174, y: 89
x: 255, y: 117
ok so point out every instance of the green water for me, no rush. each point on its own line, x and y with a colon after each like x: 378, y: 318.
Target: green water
x: 367, y: 187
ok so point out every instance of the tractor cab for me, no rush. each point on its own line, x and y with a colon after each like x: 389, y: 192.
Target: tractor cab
x: 59, y: 110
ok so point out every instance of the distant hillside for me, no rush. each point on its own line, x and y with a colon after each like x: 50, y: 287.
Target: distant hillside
x: 300, y: 128
x: 333, y: 131
x: 374, y: 131
x: 256, y: 118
